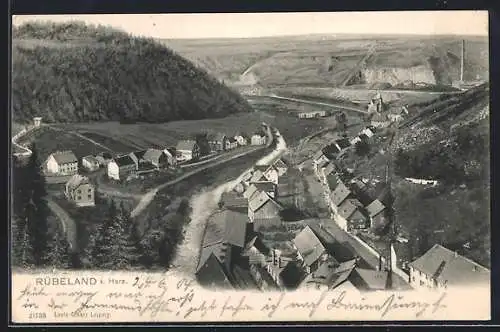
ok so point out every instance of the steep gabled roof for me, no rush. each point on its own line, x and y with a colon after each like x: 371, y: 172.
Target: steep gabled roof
x: 446, y: 266
x: 233, y: 200
x: 348, y: 207
x: 152, y: 155
x: 250, y: 192
x: 280, y: 163
x: 124, y: 161
x: 266, y: 186
x: 258, y: 175
x: 76, y: 180
x: 187, y: 145
x: 333, y: 181
x: 213, y: 271
x: 330, y: 150
x: 65, y: 157
x: 309, y: 246
x: 339, y: 194
x: 235, y: 227
x: 292, y: 275
x: 375, y: 207
x: 343, y: 143
x: 258, y: 200
x: 372, y: 279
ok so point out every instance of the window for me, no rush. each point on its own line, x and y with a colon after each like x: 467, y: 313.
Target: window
x: 79, y: 198
x: 79, y: 191
x: 89, y: 196
x: 90, y: 190
x: 421, y: 283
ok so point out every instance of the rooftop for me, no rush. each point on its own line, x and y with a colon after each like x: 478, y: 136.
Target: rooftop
x: 448, y: 267
x: 339, y: 194
x: 76, y: 180
x: 309, y: 246
x: 375, y: 207
x: 124, y: 161
x: 65, y: 157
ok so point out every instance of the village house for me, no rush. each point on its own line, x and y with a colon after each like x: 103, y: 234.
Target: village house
x: 231, y: 143
x: 440, y: 268
x: 62, y: 163
x: 376, y: 104
x: 330, y: 275
x: 217, y: 142
x: 171, y: 156
x: 104, y: 158
x: 375, y: 211
x: 90, y: 163
x: 264, y: 211
x: 242, y: 141
x: 370, y: 280
x: 272, y: 174
x: 221, y: 262
x: 280, y: 165
x: 342, y: 143
x: 136, y: 156
x: 232, y: 201
x: 258, y: 139
x: 351, y: 210
x: 310, y: 250
x: 80, y: 191
x: 157, y: 158
x: 355, y: 140
x: 368, y: 131
x: 250, y: 192
x: 331, y: 151
x: 339, y: 194
x: 187, y: 150
x: 37, y: 121
x: 122, y: 168
x: 245, y: 179
x: 379, y: 121
x: 311, y: 115
x: 258, y: 176
x: 395, y: 117
x: 268, y: 187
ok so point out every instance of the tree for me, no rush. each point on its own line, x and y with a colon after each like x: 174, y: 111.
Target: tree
x: 100, y: 249
x: 58, y: 253
x: 362, y: 148
x: 36, y: 209
x: 21, y: 249
x: 342, y: 123
x: 202, y: 141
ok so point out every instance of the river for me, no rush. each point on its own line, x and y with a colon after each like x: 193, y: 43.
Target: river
x: 203, y: 204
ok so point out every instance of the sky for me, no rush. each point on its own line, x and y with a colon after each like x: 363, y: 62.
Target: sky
x: 247, y: 25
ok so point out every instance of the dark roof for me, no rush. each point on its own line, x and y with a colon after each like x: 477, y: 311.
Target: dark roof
x: 375, y: 207
x: 232, y: 199
x: 152, y: 155
x: 372, y: 279
x: 339, y: 194
x: 106, y: 155
x: 139, y: 154
x: 348, y: 207
x: 218, y: 249
x: 363, y: 137
x: 76, y: 180
x: 444, y: 265
x: 266, y: 186
x: 280, y: 163
x: 309, y: 246
x: 212, y: 273
x: 343, y: 143
x: 232, y: 140
x: 235, y: 227
x: 124, y: 161
x: 330, y: 149
x: 65, y: 157
x: 186, y: 145
x: 292, y: 275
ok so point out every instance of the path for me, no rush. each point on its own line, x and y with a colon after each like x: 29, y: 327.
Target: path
x: 27, y: 152
x: 353, y: 71
x: 346, y: 108
x: 150, y: 195
x: 68, y: 224
x: 204, y: 204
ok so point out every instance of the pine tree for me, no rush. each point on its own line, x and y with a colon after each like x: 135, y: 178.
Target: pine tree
x: 36, y: 209
x: 101, y: 247
x: 58, y: 254
x: 21, y: 250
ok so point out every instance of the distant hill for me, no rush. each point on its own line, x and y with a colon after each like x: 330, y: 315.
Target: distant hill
x: 74, y: 72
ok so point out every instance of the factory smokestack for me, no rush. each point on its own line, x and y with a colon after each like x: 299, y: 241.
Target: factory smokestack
x: 462, y: 62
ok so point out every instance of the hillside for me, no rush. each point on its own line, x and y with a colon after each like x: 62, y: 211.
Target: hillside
x: 73, y: 72
x: 452, y: 147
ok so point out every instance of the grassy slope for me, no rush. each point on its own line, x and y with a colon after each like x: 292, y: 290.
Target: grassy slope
x: 452, y: 214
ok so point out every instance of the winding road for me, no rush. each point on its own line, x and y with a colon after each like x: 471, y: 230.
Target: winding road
x: 203, y: 205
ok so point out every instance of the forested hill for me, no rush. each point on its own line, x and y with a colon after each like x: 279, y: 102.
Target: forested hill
x: 75, y: 72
